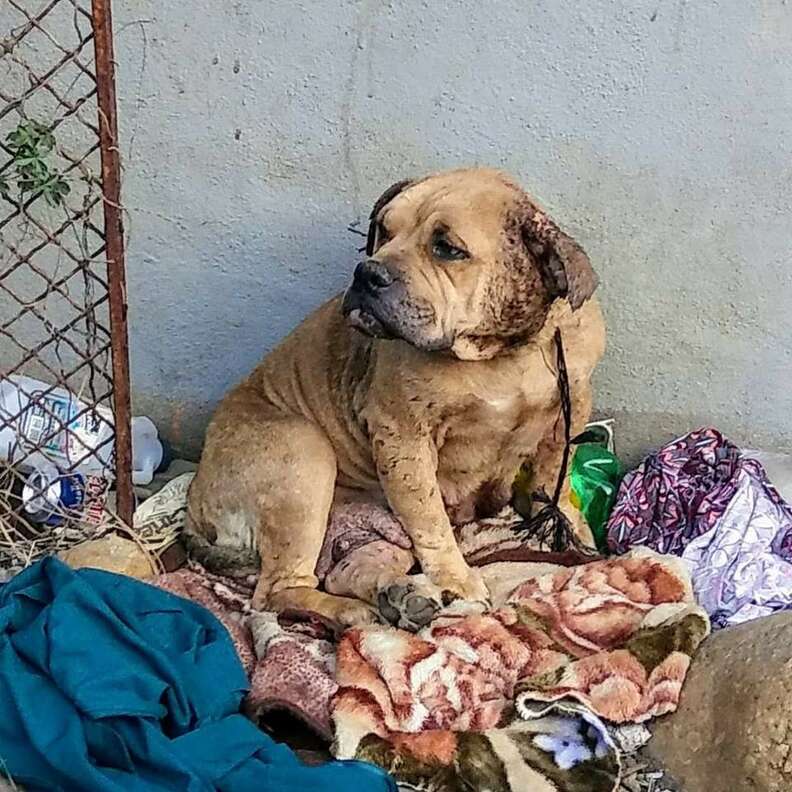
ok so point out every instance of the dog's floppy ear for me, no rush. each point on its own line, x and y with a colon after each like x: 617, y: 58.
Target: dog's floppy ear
x: 382, y: 201
x: 565, y: 267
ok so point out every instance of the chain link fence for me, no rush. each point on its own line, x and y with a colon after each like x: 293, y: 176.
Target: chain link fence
x: 65, y: 449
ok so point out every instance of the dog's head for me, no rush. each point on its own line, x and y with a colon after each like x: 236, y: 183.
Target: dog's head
x: 464, y: 262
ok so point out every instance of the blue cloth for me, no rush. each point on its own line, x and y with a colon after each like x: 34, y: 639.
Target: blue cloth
x: 110, y: 684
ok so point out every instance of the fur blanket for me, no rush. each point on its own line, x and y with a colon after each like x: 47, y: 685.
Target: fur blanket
x: 616, y: 636
x: 560, y: 748
x: 291, y: 664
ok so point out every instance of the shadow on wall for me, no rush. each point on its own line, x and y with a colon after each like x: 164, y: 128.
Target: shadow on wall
x: 248, y: 292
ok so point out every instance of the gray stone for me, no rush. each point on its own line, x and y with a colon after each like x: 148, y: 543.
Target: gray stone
x: 733, y: 729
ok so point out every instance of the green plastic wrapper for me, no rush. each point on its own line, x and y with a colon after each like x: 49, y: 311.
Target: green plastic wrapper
x: 594, y: 480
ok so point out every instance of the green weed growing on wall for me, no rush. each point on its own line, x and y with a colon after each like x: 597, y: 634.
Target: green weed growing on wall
x: 31, y: 144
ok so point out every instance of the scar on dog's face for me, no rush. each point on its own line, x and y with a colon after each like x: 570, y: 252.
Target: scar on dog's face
x: 463, y: 262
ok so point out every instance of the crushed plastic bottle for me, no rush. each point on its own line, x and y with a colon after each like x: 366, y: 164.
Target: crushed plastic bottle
x: 28, y: 412
x: 48, y: 496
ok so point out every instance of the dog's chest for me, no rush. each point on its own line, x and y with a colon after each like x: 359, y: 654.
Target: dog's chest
x: 481, y: 446
x: 493, y: 417
x: 500, y: 419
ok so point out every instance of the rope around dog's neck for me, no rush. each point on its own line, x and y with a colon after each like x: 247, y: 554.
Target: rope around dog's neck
x: 550, y: 526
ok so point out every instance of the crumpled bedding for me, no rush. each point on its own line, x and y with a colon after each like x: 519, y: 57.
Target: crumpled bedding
x: 291, y: 666
x: 616, y: 636
x: 482, y: 700
x: 109, y: 684
x: 700, y: 498
x: 517, y: 730
x: 737, y: 573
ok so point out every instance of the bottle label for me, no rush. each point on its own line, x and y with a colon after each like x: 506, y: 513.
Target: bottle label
x: 61, y: 427
x: 42, y: 423
x: 95, y: 499
x: 49, y: 501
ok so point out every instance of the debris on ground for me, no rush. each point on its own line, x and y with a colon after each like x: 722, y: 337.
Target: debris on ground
x: 291, y: 664
x: 112, y: 553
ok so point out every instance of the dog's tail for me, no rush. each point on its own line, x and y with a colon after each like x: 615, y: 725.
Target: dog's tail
x: 219, y: 559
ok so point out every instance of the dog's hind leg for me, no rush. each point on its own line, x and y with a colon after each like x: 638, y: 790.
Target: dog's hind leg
x: 265, y: 484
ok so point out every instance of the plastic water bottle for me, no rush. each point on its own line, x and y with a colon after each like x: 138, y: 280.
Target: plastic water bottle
x: 27, y: 407
x: 147, y: 451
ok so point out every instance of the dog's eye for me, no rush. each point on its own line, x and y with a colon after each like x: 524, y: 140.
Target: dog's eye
x: 382, y: 235
x: 445, y: 251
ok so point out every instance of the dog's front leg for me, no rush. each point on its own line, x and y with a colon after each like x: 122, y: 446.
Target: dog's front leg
x: 407, y: 468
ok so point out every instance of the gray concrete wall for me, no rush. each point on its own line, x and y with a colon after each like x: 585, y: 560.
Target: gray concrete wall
x: 659, y: 132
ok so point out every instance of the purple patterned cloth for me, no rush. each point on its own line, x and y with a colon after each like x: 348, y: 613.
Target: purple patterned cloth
x: 675, y: 495
x: 700, y: 498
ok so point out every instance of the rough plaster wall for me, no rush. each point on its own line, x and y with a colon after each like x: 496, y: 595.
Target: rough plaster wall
x: 658, y: 132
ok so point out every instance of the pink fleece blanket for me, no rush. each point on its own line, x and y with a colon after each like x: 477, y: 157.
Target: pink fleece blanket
x: 616, y: 636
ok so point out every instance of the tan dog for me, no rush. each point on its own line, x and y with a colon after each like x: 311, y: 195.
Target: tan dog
x: 429, y: 383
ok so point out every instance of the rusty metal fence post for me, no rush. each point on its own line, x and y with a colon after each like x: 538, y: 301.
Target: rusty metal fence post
x: 65, y: 434
x: 114, y: 240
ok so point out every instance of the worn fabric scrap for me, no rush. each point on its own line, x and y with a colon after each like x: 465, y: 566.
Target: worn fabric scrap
x: 682, y: 492
x: 737, y: 573
x: 700, y: 498
x: 615, y: 635
x: 675, y: 495
x: 629, y: 628
x: 290, y: 667
x: 109, y: 684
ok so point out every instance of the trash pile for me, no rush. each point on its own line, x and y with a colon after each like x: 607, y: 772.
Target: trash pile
x: 56, y: 469
x: 552, y: 688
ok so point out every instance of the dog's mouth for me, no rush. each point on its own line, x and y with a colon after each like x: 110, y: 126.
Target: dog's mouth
x: 367, y: 323
x: 361, y: 315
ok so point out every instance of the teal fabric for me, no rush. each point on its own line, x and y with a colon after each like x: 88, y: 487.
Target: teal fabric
x: 110, y: 684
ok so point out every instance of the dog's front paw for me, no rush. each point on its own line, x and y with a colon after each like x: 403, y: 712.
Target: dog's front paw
x: 409, y: 602
x: 467, y: 585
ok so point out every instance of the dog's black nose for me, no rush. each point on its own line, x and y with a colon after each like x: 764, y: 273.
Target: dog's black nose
x: 372, y: 275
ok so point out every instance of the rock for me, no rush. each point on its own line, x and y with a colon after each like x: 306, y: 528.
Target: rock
x: 112, y: 553
x: 733, y: 728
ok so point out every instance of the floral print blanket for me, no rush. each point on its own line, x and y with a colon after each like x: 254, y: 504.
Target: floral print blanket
x: 458, y: 699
